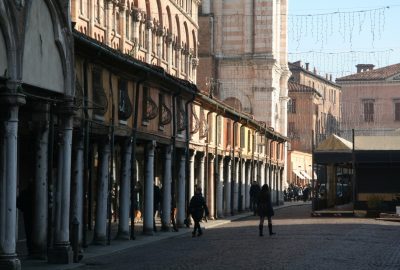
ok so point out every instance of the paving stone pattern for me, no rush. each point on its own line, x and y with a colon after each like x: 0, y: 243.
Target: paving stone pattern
x: 301, y: 242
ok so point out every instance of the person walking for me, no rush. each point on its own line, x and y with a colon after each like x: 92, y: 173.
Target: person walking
x: 254, y: 191
x: 197, y: 208
x: 265, y: 209
x: 157, y: 201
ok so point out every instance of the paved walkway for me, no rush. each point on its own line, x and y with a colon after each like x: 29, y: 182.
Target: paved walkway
x: 116, y: 246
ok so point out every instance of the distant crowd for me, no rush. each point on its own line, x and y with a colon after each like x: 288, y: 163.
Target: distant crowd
x: 297, y: 193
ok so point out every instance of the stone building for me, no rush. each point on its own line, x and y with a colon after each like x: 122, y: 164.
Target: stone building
x: 371, y: 101
x: 243, y: 57
x: 100, y: 113
x: 313, y: 114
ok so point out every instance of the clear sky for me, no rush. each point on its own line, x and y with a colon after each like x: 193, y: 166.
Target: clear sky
x: 334, y: 36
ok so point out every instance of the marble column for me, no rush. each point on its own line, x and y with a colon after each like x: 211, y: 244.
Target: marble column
x: 8, y: 179
x: 211, y: 186
x: 167, y: 184
x: 242, y: 186
x: 39, y: 226
x: 181, y: 202
x: 220, y: 184
x: 100, y: 228
x: 201, y: 171
x: 236, y: 187
x: 125, y: 191
x: 191, y: 176
x: 149, y: 189
x: 77, y: 184
x: 248, y: 183
x: 227, y: 188
x: 61, y: 252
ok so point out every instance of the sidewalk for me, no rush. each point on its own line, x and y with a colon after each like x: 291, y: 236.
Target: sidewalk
x: 120, y: 245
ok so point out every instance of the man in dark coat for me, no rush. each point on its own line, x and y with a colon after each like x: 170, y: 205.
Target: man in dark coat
x: 197, y: 208
x: 254, y: 191
x: 265, y: 209
x: 157, y: 201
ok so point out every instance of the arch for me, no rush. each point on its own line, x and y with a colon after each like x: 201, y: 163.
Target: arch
x: 178, y: 30
x: 194, y: 43
x: 187, y: 40
x: 46, y: 51
x: 169, y: 20
x: 148, y: 10
x: 160, y: 15
x: 8, y: 42
x: 234, y: 103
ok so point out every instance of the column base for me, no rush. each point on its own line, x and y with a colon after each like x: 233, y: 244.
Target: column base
x: 60, y: 254
x: 123, y: 235
x: 148, y: 231
x: 99, y: 240
x: 10, y: 262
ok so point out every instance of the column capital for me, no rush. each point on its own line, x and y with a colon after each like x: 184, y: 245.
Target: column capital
x: 66, y: 107
x: 12, y: 99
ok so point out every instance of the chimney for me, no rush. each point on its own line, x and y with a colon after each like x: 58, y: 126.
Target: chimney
x: 307, y: 66
x: 297, y: 63
x: 326, y: 76
x: 330, y: 77
x: 364, y: 67
x: 315, y: 70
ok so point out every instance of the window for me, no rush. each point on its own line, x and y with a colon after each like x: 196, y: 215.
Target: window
x: 127, y: 25
x: 99, y: 96
x: 228, y: 133
x: 292, y: 106
x: 248, y: 140
x: 242, y: 136
x: 291, y: 128
x: 368, y: 110
x: 219, y: 129
x: 124, y: 104
x: 397, y: 110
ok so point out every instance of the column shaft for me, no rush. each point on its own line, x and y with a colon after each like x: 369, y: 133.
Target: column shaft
x: 211, y: 187
x: 220, y: 192
x: 167, y: 183
x: 100, y: 228
x: 181, y: 203
x: 125, y: 190
x: 149, y: 189
x: 227, y: 188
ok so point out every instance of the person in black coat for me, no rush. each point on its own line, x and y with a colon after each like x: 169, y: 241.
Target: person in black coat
x: 254, y: 191
x: 197, y: 209
x: 265, y: 209
x: 157, y: 200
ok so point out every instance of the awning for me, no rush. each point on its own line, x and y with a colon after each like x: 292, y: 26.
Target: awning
x: 306, y: 175
x: 298, y: 174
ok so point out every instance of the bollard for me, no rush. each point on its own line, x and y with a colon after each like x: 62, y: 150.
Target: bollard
x: 75, y: 239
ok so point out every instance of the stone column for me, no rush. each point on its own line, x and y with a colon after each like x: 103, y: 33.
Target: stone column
x: 149, y: 29
x: 227, y: 187
x: 255, y: 171
x: 137, y: 17
x: 8, y: 178
x: 149, y: 189
x: 167, y: 183
x: 39, y: 222
x: 220, y: 184
x: 242, y: 186
x: 201, y: 171
x: 77, y: 184
x: 236, y: 187
x: 169, y: 50
x: 181, y: 203
x: 125, y: 191
x: 248, y: 183
x: 210, y: 186
x: 100, y: 228
x: 262, y: 173
x: 191, y: 179
x: 61, y: 251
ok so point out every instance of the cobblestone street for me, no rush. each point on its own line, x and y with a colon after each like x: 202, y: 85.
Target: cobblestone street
x: 301, y: 242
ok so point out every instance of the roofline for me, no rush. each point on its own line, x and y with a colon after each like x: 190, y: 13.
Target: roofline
x: 312, y: 74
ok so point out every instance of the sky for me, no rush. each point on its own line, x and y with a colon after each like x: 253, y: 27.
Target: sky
x: 334, y: 36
